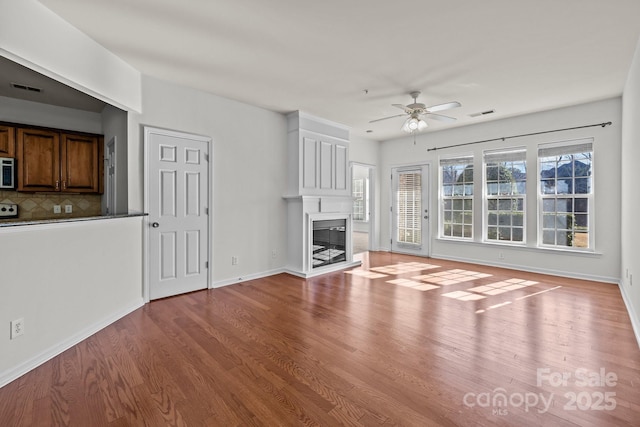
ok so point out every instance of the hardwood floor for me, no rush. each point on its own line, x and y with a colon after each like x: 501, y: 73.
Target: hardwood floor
x: 401, y: 341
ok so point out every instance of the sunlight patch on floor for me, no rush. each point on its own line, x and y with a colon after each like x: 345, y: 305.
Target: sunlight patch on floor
x: 404, y: 267
x: 503, y: 286
x: 413, y: 284
x: 366, y: 274
x: 463, y: 296
x: 451, y: 277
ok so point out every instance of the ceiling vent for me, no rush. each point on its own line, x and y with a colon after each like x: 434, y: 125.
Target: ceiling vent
x: 482, y: 113
x: 26, y: 87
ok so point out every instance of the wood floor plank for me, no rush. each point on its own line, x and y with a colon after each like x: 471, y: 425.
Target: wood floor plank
x: 399, y: 341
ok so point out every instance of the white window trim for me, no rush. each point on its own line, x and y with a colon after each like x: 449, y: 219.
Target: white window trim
x: 503, y: 154
x: 580, y: 146
x: 468, y: 159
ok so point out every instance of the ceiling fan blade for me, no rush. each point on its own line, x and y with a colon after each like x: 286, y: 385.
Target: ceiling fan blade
x: 403, y: 107
x: 385, y: 118
x: 442, y: 118
x: 442, y: 107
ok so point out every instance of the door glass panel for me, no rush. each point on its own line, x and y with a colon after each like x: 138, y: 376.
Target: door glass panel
x: 409, y: 205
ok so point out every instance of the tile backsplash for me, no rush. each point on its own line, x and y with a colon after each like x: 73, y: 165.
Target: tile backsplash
x: 34, y: 206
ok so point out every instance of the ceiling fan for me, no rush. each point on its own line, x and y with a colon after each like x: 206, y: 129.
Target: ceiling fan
x: 417, y: 110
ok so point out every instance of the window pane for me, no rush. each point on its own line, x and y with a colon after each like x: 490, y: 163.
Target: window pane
x: 583, y: 186
x: 564, y: 221
x: 468, y: 204
x: 492, y: 233
x: 582, y: 205
x: 565, y: 205
x: 549, y: 237
x: 549, y: 205
x: 504, y: 204
x: 517, y: 234
x: 549, y: 221
x: 564, y: 238
x: 493, y: 219
x: 504, y: 233
x: 518, y: 219
x: 548, y: 186
x: 504, y: 219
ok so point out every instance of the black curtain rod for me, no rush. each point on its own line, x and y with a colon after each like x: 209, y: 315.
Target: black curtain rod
x: 519, y: 136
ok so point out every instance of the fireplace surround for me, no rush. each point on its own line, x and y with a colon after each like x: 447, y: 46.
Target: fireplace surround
x: 319, y: 201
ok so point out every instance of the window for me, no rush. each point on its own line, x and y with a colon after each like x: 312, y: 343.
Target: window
x: 566, y: 194
x: 505, y: 174
x: 358, y: 200
x: 456, y: 197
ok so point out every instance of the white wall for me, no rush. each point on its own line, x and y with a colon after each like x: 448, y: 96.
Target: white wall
x: 115, y: 125
x: 249, y: 179
x: 35, y: 37
x: 604, y: 265
x: 34, y: 113
x: 630, y: 267
x: 66, y: 281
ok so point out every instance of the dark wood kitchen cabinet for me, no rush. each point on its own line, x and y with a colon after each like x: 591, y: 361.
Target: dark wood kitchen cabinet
x: 7, y: 141
x: 50, y: 161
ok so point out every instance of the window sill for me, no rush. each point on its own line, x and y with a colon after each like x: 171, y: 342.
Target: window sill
x: 518, y: 247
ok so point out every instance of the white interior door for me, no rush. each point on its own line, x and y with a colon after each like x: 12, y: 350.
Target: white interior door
x: 177, y: 192
x: 410, y: 210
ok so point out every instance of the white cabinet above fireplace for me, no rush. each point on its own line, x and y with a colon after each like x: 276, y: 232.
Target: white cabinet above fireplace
x: 318, y: 157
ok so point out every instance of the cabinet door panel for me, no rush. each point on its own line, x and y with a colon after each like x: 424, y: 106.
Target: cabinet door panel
x: 7, y: 141
x: 80, y: 164
x: 38, y: 159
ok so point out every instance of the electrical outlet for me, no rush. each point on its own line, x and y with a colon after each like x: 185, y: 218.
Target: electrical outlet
x: 56, y: 209
x: 68, y: 208
x: 17, y: 328
x: 234, y: 260
x: 501, y: 255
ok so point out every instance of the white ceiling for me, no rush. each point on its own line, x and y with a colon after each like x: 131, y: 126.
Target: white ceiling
x: 348, y: 60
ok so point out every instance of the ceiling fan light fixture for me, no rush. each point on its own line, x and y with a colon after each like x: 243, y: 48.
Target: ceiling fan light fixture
x: 413, y: 124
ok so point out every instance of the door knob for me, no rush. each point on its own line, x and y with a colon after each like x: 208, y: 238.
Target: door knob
x: 155, y: 225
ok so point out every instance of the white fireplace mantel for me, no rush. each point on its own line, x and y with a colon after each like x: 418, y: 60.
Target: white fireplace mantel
x: 319, y: 188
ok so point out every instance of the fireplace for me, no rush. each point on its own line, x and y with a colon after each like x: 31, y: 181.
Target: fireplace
x: 329, y: 243
x: 319, y: 201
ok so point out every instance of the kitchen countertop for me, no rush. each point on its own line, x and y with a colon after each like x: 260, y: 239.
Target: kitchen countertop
x: 16, y: 223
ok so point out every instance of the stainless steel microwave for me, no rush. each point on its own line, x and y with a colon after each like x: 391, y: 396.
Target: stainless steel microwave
x: 7, y: 173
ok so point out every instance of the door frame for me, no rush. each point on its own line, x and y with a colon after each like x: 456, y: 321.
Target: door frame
x: 373, y: 241
x: 146, y: 130
x: 426, y: 252
x: 111, y: 187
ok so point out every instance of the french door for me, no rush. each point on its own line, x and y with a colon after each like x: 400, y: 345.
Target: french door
x: 410, y: 210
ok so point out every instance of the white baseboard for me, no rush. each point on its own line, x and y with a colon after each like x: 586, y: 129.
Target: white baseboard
x: 16, y: 372
x: 633, y: 314
x: 530, y: 269
x: 231, y: 281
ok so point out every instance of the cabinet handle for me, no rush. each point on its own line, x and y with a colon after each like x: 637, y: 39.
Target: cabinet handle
x: 64, y: 185
x: 57, y: 185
